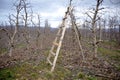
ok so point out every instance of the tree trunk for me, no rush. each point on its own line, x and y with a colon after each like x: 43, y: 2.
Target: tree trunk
x: 119, y: 35
x: 94, y: 19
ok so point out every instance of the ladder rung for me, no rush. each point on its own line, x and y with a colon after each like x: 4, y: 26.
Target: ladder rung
x: 55, y: 43
x: 58, y: 35
x: 50, y: 62
x: 61, y: 27
x: 52, y: 53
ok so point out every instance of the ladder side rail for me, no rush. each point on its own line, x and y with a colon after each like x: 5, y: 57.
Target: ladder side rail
x: 78, y: 35
x: 56, y: 39
x: 53, y: 46
x: 61, y: 38
x: 58, y: 49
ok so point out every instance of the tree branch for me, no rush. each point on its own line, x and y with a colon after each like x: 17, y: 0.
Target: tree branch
x: 89, y: 16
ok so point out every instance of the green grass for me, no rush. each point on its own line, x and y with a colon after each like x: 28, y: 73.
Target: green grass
x: 23, y: 71
x: 112, y: 54
x: 82, y: 76
x: 28, y: 71
x: 21, y: 45
x: 3, y: 50
x: 113, y: 43
x: 109, y: 52
x: 91, y: 78
x: 7, y: 74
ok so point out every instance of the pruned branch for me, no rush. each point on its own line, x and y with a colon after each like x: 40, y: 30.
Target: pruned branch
x: 6, y: 31
x: 11, y: 20
x: 101, y: 9
x: 97, y: 19
x: 100, y: 1
x: 89, y: 16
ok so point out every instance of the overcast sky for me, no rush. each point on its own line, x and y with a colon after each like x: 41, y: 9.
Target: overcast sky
x: 53, y: 10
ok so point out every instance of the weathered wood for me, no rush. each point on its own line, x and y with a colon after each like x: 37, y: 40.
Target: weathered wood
x: 55, y: 43
x: 61, y: 33
x: 52, y: 53
x: 53, y: 46
x: 50, y: 62
x: 78, y: 35
x: 61, y: 39
x: 104, y: 76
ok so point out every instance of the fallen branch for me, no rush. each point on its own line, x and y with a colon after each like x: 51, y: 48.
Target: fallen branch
x: 104, y: 76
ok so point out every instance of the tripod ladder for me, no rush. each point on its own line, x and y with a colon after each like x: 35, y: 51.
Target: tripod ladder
x: 55, y: 49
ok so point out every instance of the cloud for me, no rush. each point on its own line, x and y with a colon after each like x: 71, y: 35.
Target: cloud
x: 2, y: 2
x: 6, y: 4
x: 55, y: 13
x: 54, y: 10
x: 54, y: 16
x: 115, y: 2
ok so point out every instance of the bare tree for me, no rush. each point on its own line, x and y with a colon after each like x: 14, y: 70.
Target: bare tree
x: 18, y: 7
x: 113, y: 24
x: 25, y: 20
x: 38, y: 32
x: 94, y: 19
x: 47, y: 27
x: 104, y: 30
x: 46, y: 33
x: 118, y: 14
x: 38, y: 25
x: 100, y: 29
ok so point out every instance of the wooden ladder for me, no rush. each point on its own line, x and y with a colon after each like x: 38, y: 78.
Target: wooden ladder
x: 55, y: 49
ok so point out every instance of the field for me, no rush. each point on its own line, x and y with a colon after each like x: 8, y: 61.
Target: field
x: 39, y: 42
x: 31, y: 64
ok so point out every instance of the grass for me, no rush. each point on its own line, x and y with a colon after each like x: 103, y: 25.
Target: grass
x: 113, y: 54
x: 21, y: 45
x: 30, y: 71
x: 23, y: 71
x: 3, y: 50
x: 7, y: 74
x: 109, y: 52
x: 41, y: 71
x: 82, y: 76
x: 27, y: 71
x: 113, y: 43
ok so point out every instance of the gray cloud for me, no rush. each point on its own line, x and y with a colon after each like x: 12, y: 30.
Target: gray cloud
x: 50, y: 6
x: 115, y: 2
x: 2, y: 2
x: 6, y: 4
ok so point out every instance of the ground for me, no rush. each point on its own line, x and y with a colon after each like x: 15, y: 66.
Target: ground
x: 32, y: 64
